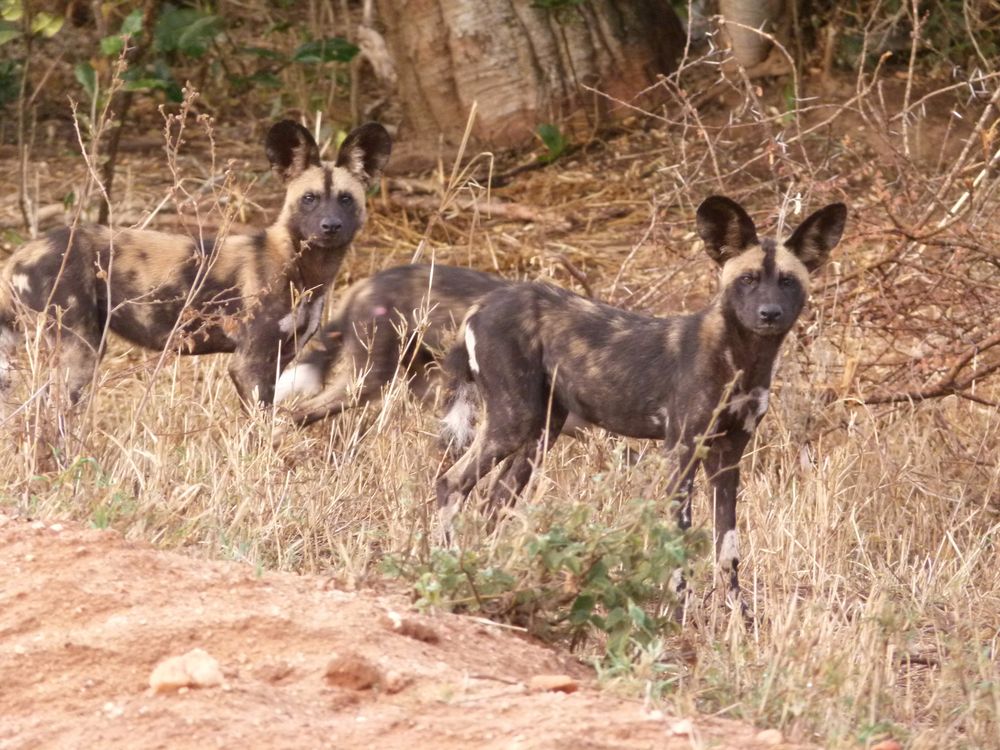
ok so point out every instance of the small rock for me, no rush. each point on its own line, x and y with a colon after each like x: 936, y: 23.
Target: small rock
x: 56, y: 527
x: 769, y: 737
x: 682, y: 728
x: 394, y: 681
x: 353, y: 671
x: 552, y: 683
x: 887, y: 745
x: 194, y: 669
x: 411, y: 628
x: 273, y: 671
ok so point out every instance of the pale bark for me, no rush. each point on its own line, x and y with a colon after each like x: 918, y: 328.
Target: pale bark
x: 522, y: 65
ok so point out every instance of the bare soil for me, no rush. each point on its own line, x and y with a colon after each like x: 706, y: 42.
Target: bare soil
x: 85, y: 616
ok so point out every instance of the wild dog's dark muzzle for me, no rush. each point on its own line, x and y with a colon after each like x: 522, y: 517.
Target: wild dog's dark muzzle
x: 769, y: 314
x: 331, y: 226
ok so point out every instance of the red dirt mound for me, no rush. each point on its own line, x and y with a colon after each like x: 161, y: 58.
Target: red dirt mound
x: 85, y: 617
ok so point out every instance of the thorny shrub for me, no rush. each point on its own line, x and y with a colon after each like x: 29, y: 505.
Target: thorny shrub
x: 578, y: 579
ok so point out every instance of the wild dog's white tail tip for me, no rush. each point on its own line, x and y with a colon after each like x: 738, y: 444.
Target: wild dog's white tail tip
x: 458, y: 427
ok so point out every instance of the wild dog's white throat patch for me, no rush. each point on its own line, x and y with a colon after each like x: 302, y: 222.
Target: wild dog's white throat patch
x: 470, y: 347
x: 298, y: 380
x: 751, y: 406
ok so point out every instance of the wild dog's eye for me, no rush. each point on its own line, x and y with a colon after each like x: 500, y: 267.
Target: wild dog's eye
x: 308, y: 199
x: 786, y: 281
x: 345, y: 199
x: 746, y: 278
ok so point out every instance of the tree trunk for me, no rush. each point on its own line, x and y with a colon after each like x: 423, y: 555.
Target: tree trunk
x: 522, y: 64
x: 749, y: 47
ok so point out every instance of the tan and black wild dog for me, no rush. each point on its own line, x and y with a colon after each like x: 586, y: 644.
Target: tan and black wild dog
x: 533, y: 354
x: 405, y: 315
x: 258, y: 296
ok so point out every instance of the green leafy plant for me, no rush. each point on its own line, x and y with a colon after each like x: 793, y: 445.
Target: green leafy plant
x: 333, y: 49
x: 554, y: 141
x: 579, y: 579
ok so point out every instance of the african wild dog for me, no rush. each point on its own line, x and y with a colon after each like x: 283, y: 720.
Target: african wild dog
x: 534, y: 354
x: 405, y: 315
x: 257, y: 295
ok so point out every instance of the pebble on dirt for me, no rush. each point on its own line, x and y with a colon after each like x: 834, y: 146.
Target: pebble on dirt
x: 887, y: 745
x: 552, y: 683
x: 769, y: 737
x: 353, y: 671
x: 195, y: 669
x: 411, y: 628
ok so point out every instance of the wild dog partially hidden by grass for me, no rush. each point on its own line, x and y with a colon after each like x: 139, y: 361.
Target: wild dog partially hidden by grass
x: 534, y: 354
x: 258, y: 295
x: 405, y: 315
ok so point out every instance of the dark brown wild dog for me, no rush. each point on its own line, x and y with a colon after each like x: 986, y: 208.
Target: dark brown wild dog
x: 258, y: 295
x: 404, y: 316
x: 532, y: 354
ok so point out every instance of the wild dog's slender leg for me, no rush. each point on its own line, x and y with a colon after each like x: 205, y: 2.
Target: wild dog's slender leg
x: 682, y: 481
x: 723, y: 468
x: 77, y: 360
x: 680, y: 486
x: 487, y: 450
x: 369, y: 362
x: 516, y: 474
x: 77, y: 334
x: 253, y: 370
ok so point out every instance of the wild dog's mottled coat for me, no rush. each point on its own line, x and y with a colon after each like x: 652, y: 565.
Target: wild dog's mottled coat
x: 407, y: 313
x: 541, y: 353
x: 259, y: 295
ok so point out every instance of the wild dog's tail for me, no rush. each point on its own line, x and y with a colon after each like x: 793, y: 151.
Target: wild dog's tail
x: 458, y: 427
x: 305, y: 377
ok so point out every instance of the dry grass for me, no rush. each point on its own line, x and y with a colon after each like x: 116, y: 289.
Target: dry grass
x: 870, y: 532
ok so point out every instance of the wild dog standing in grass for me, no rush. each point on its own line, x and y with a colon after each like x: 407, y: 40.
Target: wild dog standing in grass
x: 258, y: 295
x: 535, y: 354
x: 405, y: 315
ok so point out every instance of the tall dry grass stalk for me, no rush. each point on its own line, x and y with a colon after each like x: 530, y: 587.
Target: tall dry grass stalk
x: 870, y: 530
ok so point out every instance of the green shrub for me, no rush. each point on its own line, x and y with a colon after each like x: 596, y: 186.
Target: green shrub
x: 577, y: 580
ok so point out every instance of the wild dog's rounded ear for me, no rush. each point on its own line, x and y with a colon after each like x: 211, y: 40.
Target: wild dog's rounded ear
x: 365, y: 151
x: 818, y: 235
x: 725, y: 227
x: 291, y: 149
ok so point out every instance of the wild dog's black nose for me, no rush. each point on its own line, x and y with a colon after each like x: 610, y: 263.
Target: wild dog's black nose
x: 769, y: 313
x: 331, y: 225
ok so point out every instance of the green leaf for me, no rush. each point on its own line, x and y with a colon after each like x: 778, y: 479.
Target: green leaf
x: 554, y: 141
x: 11, y: 10
x: 6, y: 34
x: 10, y: 81
x: 46, y: 24
x: 146, y: 84
x: 132, y: 24
x: 196, y: 39
x: 112, y: 46
x: 185, y: 31
x: 87, y: 77
x: 581, y: 610
x: 268, y: 54
x: 333, y: 49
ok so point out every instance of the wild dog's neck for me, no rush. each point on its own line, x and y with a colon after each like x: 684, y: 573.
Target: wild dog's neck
x: 308, y: 266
